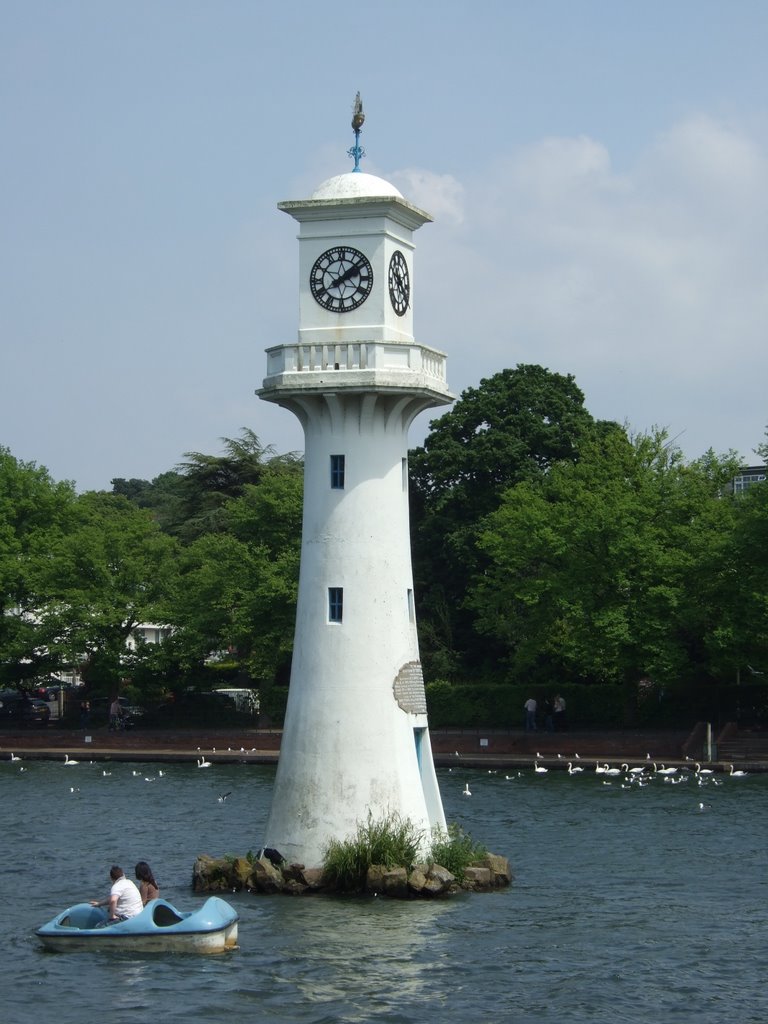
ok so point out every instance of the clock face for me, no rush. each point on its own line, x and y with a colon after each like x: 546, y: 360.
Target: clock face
x: 399, y: 283
x: 341, y: 279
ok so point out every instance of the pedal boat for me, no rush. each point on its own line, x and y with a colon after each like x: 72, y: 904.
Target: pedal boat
x: 159, y: 928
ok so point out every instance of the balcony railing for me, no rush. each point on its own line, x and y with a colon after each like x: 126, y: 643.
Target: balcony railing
x: 367, y: 355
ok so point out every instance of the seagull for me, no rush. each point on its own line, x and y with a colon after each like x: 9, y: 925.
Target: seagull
x: 465, y: 791
x: 68, y: 760
x: 224, y: 796
x: 738, y: 774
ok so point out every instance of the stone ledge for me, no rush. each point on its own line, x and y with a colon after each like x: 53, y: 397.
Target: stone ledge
x: 424, y: 881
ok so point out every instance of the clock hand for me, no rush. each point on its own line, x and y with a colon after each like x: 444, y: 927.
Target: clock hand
x: 349, y: 272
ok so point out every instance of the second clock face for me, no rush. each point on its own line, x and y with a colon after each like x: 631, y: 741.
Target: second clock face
x: 399, y: 283
x: 341, y: 279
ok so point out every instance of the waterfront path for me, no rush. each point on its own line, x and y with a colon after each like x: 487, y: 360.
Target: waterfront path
x: 473, y: 748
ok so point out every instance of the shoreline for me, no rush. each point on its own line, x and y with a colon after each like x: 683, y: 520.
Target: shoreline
x: 469, y: 748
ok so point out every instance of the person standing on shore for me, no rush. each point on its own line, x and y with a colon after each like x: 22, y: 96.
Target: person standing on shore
x: 530, y: 715
x: 559, y: 715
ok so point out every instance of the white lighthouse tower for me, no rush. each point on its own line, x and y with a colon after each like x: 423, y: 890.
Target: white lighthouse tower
x: 355, y: 739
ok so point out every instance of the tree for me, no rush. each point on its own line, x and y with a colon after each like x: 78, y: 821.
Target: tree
x: 110, y: 571
x: 515, y: 426
x: 237, y: 589
x: 34, y: 511
x: 742, y: 632
x: 607, y: 569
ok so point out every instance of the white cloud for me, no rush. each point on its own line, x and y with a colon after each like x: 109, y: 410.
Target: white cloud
x: 440, y: 195
x: 649, y: 284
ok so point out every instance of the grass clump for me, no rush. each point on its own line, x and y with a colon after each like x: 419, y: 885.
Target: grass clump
x: 392, y: 841
x: 455, y: 850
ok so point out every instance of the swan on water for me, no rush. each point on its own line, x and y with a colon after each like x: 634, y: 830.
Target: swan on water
x: 738, y: 774
x: 68, y: 760
x: 466, y: 791
x: 538, y: 768
x: 572, y: 770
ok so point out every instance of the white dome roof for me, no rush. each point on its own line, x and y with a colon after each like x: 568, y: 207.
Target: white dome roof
x: 354, y: 185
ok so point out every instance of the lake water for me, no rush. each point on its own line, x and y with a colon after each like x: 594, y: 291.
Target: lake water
x: 628, y: 905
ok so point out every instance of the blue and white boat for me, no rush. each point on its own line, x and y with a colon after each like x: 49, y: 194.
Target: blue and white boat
x: 159, y: 928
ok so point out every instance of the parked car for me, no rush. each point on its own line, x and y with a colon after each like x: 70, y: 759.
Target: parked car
x: 20, y: 710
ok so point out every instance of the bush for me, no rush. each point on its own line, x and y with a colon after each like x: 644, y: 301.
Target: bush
x: 454, y: 850
x: 392, y: 841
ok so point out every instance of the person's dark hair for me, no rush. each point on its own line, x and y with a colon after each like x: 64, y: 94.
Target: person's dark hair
x: 144, y: 873
x: 115, y: 872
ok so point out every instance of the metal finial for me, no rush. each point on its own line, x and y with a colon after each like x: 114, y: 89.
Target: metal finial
x: 358, y: 117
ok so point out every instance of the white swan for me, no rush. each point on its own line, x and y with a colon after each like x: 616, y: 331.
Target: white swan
x: 738, y: 774
x: 572, y: 770
x: 538, y: 768
x: 68, y: 760
x: 703, y: 771
x: 611, y: 771
x: 466, y: 790
x: 667, y: 771
x: 15, y: 758
x: 202, y: 763
x: 599, y: 768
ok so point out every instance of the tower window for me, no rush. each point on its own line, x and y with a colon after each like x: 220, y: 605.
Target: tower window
x: 335, y: 603
x: 337, y: 472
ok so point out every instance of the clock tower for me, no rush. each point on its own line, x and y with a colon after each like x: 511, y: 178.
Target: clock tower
x: 355, y: 740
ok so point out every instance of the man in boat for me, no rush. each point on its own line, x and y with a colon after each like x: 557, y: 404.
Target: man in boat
x: 124, y: 900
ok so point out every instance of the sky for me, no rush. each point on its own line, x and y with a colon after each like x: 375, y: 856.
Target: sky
x: 597, y: 171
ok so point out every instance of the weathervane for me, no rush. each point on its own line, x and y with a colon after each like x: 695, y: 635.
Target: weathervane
x: 358, y: 117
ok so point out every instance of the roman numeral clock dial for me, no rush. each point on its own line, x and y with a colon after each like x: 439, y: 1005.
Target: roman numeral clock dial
x: 399, y: 283
x: 341, y: 279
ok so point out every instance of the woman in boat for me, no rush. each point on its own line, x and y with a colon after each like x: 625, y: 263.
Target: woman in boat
x: 148, y: 887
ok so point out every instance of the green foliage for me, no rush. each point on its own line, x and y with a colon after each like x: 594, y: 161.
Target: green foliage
x: 391, y: 841
x: 500, y: 705
x: 512, y: 428
x: 110, y: 571
x: 604, y: 568
x: 455, y: 850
